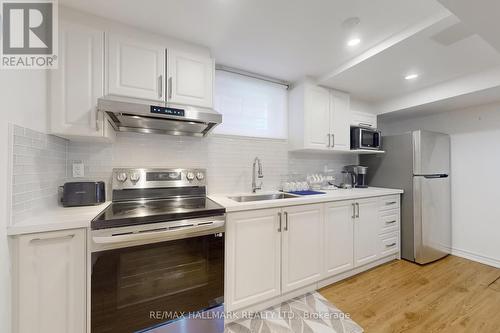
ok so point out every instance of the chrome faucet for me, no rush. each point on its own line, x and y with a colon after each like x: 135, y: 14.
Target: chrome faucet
x: 256, y: 162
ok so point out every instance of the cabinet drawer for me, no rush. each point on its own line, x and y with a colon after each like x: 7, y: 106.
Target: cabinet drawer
x: 389, y: 244
x: 389, y: 222
x: 389, y: 202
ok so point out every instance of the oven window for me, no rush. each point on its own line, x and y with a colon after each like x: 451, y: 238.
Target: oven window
x: 129, y: 285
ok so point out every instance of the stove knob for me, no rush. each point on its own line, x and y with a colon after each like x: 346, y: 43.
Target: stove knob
x: 190, y: 176
x: 135, y: 177
x: 200, y: 176
x: 121, y: 177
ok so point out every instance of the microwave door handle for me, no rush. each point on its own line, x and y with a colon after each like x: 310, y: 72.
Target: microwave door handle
x: 155, y: 234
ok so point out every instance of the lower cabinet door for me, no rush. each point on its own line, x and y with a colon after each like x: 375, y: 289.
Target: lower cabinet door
x: 339, y: 237
x: 302, y: 255
x: 366, y: 231
x: 253, y: 242
x: 49, y: 282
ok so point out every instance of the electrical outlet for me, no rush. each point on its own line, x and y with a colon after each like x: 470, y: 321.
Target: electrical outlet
x: 78, y: 170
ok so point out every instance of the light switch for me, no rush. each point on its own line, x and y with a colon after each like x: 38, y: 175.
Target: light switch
x: 78, y: 170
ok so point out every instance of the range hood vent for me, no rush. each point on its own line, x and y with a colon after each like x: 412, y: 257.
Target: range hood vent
x: 133, y: 115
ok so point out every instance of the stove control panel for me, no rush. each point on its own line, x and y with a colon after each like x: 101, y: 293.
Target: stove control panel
x: 138, y: 178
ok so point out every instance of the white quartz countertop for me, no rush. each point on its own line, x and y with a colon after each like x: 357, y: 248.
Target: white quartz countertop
x: 330, y: 195
x: 57, y: 218
x: 62, y: 218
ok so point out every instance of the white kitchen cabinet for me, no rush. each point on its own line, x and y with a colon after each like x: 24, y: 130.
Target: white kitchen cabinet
x: 319, y: 118
x: 190, y: 79
x: 302, y: 246
x: 366, y: 230
x: 49, y: 282
x: 339, y: 237
x: 317, y: 121
x: 389, y: 244
x: 340, y: 116
x: 77, y: 83
x: 273, y: 252
x: 135, y: 68
x: 363, y: 119
x: 253, y: 257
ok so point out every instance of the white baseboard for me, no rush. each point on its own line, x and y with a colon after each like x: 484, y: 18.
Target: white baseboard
x: 355, y: 271
x: 476, y: 257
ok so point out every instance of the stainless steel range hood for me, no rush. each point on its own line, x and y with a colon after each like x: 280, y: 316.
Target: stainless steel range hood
x: 134, y: 115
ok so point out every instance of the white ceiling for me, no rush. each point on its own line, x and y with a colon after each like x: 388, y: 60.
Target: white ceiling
x: 480, y: 16
x: 460, y: 102
x: 437, y: 54
x: 286, y: 39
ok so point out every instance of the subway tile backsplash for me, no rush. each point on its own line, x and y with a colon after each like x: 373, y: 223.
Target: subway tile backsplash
x: 38, y: 169
x: 227, y: 159
x: 41, y: 162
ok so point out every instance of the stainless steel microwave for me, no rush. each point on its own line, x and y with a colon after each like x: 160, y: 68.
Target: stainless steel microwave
x: 366, y: 138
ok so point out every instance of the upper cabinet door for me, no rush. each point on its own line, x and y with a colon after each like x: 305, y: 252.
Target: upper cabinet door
x: 77, y: 83
x: 302, y: 246
x: 134, y: 68
x: 340, y: 118
x: 190, y: 79
x: 317, y: 118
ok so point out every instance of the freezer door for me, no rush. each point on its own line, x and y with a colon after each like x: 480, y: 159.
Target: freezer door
x: 432, y: 218
x: 431, y: 153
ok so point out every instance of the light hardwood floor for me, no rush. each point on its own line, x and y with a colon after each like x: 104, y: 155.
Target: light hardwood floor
x: 451, y: 295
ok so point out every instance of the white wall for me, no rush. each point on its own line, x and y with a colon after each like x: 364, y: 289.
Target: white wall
x: 475, y: 158
x: 22, y: 101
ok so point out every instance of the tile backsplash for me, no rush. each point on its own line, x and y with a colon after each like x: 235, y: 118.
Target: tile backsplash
x: 227, y: 159
x: 41, y: 162
x: 38, y: 169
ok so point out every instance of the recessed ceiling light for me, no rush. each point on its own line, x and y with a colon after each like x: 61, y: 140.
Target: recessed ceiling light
x: 353, y: 41
x: 411, y: 76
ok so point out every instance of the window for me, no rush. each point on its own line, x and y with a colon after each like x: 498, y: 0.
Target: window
x: 250, y: 107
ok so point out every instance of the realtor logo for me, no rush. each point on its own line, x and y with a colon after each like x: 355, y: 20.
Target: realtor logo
x: 29, y: 34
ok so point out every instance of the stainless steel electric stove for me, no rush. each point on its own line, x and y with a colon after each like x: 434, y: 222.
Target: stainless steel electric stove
x: 157, y: 250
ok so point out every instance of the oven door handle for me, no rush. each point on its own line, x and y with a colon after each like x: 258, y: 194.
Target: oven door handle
x: 174, y: 233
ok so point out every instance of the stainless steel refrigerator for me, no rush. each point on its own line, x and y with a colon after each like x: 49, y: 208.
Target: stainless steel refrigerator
x: 419, y: 163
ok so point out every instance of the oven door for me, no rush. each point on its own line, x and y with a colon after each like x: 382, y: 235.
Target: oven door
x: 145, y: 277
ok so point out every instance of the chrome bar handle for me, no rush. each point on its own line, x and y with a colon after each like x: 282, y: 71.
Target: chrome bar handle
x: 286, y: 221
x: 329, y: 140
x: 97, y: 127
x: 279, y: 218
x: 353, y: 211
x: 160, y: 86
x: 357, y: 206
x: 333, y: 140
x: 156, y: 234
x: 170, y: 88
x: 390, y: 245
x: 34, y: 240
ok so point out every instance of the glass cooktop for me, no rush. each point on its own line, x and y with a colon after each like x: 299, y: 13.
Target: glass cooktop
x: 127, y: 213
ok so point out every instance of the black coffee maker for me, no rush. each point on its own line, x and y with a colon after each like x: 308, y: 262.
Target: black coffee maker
x: 358, y: 175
